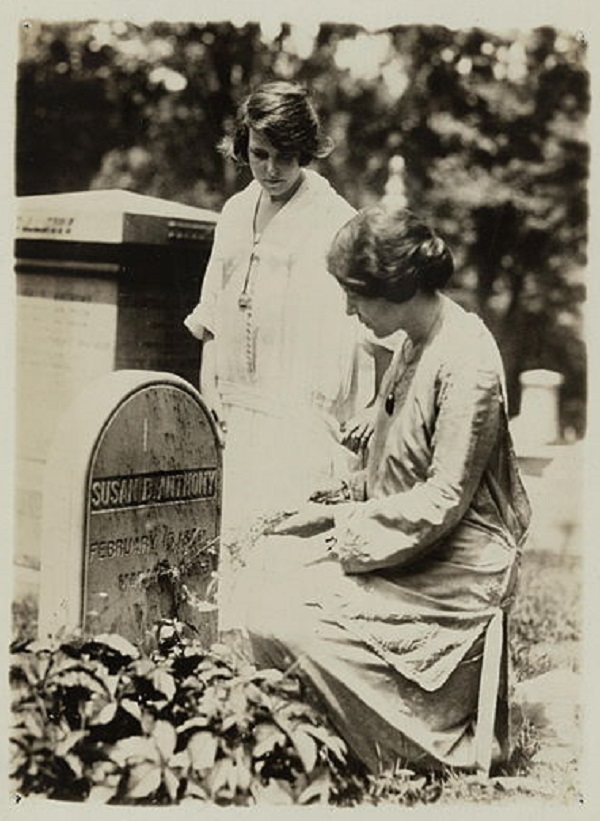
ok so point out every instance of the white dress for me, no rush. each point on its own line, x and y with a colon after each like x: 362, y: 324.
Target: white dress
x: 290, y: 363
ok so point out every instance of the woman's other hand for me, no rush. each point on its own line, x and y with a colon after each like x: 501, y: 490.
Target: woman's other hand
x: 357, y: 432
x: 338, y: 491
x: 209, y: 385
x: 308, y: 521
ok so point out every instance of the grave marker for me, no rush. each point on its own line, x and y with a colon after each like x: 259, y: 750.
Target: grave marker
x: 132, y: 508
x: 104, y: 280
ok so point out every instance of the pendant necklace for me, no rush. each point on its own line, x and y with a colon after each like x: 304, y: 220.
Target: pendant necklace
x: 390, y: 403
x: 390, y: 399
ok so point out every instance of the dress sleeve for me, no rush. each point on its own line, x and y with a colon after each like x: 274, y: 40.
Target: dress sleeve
x: 395, y: 530
x: 204, y: 316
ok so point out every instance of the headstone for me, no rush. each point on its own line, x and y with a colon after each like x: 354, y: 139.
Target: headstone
x: 539, y: 403
x: 104, y: 280
x: 132, y: 509
x: 537, y: 427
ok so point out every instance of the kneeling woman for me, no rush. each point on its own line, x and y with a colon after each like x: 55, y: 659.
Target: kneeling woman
x: 383, y: 600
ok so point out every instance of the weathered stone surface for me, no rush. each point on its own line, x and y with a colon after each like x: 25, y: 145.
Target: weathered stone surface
x: 104, y: 279
x: 132, y: 521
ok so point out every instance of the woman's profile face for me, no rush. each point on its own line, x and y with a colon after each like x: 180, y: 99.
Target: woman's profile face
x: 377, y: 314
x: 276, y: 172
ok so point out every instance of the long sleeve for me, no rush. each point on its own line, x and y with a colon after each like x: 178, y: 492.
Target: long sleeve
x: 396, y: 530
x: 204, y: 316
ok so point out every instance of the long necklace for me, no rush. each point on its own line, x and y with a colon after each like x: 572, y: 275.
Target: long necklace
x: 245, y: 298
x: 409, y: 354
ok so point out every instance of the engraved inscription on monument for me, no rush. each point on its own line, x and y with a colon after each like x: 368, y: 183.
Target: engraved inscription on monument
x: 152, y: 513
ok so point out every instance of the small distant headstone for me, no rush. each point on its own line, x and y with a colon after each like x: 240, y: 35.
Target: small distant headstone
x: 539, y: 403
x: 132, y: 509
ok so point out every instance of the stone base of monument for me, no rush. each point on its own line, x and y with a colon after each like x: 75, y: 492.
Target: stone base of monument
x: 131, y: 509
x: 551, y: 703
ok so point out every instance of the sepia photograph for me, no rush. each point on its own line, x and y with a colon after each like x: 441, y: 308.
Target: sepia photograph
x: 299, y: 347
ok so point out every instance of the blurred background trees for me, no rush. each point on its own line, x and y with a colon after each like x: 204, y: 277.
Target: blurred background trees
x: 491, y: 129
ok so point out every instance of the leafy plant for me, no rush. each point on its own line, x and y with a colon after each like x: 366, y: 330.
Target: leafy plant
x: 95, y: 718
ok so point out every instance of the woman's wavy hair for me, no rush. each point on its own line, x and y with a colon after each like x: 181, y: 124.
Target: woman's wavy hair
x: 390, y: 254
x: 282, y: 112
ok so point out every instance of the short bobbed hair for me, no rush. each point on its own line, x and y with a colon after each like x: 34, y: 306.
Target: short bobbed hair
x: 282, y: 112
x: 389, y: 254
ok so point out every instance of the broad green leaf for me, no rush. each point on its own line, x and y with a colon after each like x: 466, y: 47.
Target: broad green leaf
x: 118, y: 643
x: 165, y: 737
x: 238, y: 703
x: 219, y: 776
x: 318, y: 790
x: 142, y: 667
x: 275, y: 792
x: 75, y: 763
x: 105, y: 715
x: 333, y: 743
x: 105, y: 773
x: 230, y: 721
x: 243, y: 765
x: 256, y: 696
x: 132, y: 707
x: 195, y: 791
x: 268, y: 736
x: 164, y: 683
x: 180, y: 761
x: 199, y: 722
x: 171, y: 783
x: 101, y: 794
x: 133, y: 749
x: 306, y: 749
x: 270, y: 676
x: 202, y: 748
x: 144, y: 779
x: 69, y: 741
x: 33, y: 723
x: 147, y: 722
x: 191, y: 683
x: 77, y: 676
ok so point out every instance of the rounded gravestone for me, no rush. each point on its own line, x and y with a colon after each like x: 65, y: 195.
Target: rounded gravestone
x: 146, y: 466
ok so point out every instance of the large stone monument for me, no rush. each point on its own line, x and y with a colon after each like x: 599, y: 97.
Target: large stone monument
x: 131, y: 509
x: 104, y: 280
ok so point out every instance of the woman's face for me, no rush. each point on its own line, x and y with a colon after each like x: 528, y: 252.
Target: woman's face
x: 379, y: 315
x: 277, y: 173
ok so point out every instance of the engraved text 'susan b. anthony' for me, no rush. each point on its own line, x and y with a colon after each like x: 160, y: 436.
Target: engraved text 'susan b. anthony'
x: 117, y: 492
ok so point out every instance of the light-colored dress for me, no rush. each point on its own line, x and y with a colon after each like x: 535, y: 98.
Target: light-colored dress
x: 389, y: 624
x: 290, y: 363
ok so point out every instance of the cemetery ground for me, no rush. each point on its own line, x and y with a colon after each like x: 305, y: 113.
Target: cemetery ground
x: 303, y: 759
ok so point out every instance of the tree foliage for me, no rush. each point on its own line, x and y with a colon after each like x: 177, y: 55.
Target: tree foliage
x: 491, y: 127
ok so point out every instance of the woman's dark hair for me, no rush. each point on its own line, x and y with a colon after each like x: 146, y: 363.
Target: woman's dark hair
x: 389, y: 254
x: 283, y: 113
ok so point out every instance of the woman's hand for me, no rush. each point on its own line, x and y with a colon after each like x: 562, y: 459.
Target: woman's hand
x: 357, y: 432
x: 308, y: 521
x: 209, y: 389
x: 336, y: 492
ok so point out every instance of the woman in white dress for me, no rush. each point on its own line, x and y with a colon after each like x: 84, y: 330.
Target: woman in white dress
x: 281, y: 362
